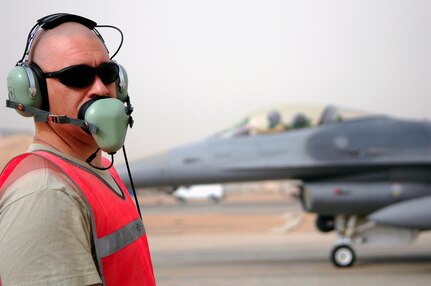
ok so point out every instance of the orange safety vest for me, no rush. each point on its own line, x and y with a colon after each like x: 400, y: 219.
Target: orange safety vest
x: 119, y: 236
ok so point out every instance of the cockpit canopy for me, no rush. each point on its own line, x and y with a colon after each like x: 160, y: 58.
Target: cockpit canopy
x: 283, y: 118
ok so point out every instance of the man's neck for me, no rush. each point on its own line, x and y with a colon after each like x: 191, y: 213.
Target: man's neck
x: 79, y: 147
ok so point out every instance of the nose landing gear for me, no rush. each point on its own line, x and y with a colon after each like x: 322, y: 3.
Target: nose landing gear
x: 343, y: 255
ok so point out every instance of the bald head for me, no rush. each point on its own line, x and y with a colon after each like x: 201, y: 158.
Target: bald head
x: 54, y: 46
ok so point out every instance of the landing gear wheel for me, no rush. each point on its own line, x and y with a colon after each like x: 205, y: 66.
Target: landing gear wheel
x: 343, y: 256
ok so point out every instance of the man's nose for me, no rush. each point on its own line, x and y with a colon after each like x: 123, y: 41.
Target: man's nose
x: 98, y: 88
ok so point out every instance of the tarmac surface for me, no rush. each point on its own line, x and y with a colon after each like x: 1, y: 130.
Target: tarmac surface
x: 265, y: 239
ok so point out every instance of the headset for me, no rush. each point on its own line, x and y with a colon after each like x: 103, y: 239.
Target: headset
x: 27, y: 88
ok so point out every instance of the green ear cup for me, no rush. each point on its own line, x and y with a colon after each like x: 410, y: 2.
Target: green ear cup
x: 24, y: 88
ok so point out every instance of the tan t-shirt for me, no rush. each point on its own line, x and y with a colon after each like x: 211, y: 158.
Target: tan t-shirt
x: 45, y: 230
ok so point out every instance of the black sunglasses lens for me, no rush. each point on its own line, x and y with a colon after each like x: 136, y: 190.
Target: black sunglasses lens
x: 83, y: 75
x: 78, y: 76
x: 108, y: 72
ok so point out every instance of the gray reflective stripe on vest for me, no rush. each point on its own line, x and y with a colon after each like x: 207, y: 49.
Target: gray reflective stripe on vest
x: 121, y: 238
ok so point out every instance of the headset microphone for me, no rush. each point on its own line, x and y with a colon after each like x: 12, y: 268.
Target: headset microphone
x: 111, y: 118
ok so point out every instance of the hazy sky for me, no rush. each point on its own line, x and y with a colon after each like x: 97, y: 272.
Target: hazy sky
x: 195, y: 67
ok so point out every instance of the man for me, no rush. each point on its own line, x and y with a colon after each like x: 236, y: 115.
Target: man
x: 63, y: 221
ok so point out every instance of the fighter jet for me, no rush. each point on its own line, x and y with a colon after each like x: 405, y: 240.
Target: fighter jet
x: 366, y: 176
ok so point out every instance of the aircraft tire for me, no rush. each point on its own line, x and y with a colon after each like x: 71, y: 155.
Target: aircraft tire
x: 343, y: 256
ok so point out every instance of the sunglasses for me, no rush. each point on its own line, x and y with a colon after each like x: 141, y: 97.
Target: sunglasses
x: 83, y: 75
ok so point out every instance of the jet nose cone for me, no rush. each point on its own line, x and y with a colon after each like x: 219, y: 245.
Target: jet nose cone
x: 150, y: 171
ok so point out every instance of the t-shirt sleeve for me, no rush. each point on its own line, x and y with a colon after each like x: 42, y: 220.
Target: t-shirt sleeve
x: 45, y: 237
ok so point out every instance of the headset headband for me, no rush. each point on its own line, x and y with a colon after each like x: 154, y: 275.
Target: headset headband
x: 51, y: 21
x: 54, y: 20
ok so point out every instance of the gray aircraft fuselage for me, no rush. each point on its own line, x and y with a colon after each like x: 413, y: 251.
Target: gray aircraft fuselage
x: 367, y: 155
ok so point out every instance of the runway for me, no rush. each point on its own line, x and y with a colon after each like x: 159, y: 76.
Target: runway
x: 265, y: 240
